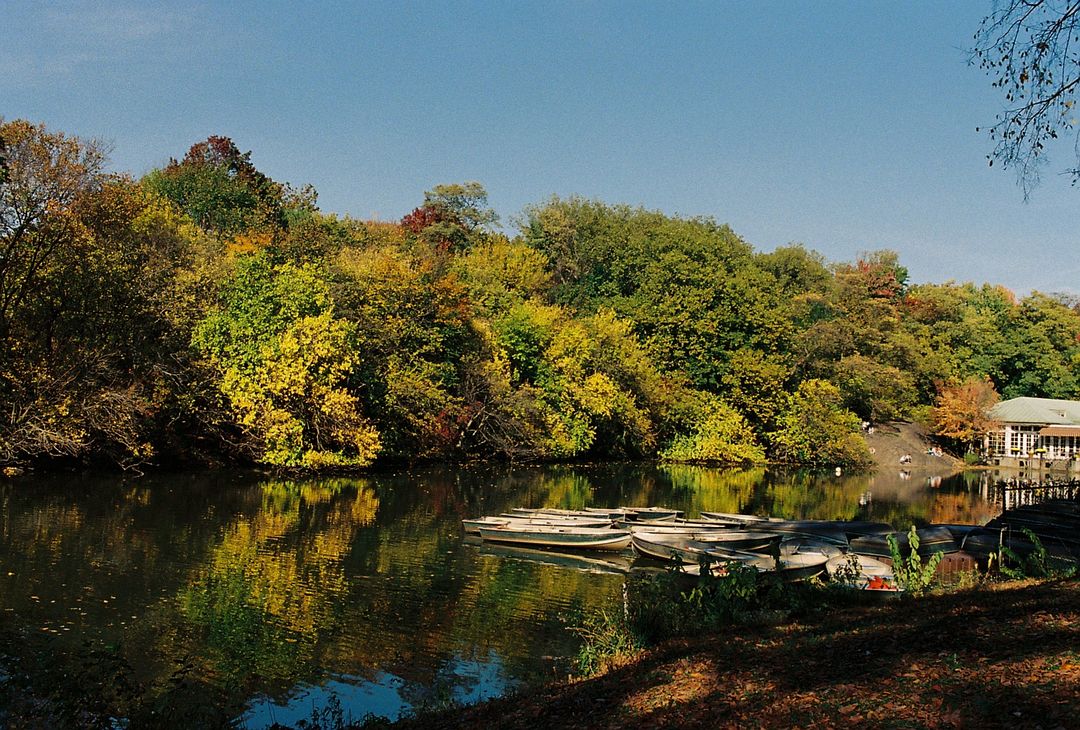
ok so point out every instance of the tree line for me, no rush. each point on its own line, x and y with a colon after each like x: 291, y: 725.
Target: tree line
x: 207, y: 312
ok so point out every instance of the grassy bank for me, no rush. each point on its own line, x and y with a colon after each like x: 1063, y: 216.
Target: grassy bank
x: 1001, y: 655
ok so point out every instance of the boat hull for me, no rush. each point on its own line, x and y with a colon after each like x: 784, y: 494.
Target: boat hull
x: 562, y: 538
x: 472, y: 526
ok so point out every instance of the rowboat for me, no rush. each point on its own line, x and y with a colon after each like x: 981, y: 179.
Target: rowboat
x: 557, y: 536
x: 984, y: 542
x: 827, y: 530
x: 792, y: 545
x: 676, y: 528
x: 643, y: 514
x: 472, y: 526
x: 801, y: 566
x: 1036, y: 520
x: 862, y: 572
x: 665, y: 546
x: 931, y: 540
x: 959, y: 532
x: 795, y: 567
x: 720, y: 564
x: 830, y: 528
x: 791, y: 568
x: 729, y: 517
x: 709, y: 523
x: 593, y: 513
x: 824, y: 531
x: 545, y: 517
x: 860, y: 528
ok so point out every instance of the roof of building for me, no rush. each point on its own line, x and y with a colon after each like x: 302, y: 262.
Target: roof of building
x: 1037, y: 410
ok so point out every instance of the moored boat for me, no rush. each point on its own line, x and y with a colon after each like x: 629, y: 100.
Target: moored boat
x: 862, y: 572
x: 860, y: 528
x: 588, y: 512
x: 569, y: 537
x: 730, y: 517
x: 687, y: 549
x: 472, y: 526
x: 791, y: 568
x: 802, y: 566
x: 676, y: 528
x: 831, y: 530
x: 645, y: 514
x: 798, y: 544
x: 824, y: 531
x: 987, y: 541
x: 931, y: 540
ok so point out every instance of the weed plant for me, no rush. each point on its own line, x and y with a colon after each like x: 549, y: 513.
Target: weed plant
x: 913, y: 575
x: 661, y: 606
x: 1037, y: 564
x: 608, y: 641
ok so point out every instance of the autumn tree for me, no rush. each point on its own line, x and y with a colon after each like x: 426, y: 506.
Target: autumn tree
x: 1031, y: 51
x: 415, y: 332
x: 220, y: 188
x: 452, y: 217
x: 961, y: 412
x: 286, y: 364
x: 46, y: 175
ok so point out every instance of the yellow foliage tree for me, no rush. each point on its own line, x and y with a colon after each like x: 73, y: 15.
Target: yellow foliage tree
x: 295, y: 402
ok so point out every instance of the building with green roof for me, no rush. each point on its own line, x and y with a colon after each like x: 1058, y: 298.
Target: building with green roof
x: 1041, y: 432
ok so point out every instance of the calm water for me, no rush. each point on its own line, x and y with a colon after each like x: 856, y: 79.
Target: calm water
x: 288, y: 591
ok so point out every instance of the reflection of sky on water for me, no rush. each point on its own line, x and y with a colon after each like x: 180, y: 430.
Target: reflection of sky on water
x: 459, y: 681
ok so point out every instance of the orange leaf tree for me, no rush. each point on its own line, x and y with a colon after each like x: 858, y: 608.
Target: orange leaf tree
x: 961, y: 411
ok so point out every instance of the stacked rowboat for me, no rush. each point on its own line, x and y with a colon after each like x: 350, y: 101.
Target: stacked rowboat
x: 857, y: 551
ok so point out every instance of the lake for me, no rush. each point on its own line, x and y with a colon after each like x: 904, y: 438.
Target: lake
x: 289, y: 592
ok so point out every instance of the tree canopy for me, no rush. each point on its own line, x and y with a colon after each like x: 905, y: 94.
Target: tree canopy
x: 209, y: 312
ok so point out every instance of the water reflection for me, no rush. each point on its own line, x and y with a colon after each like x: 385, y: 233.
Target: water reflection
x: 282, y: 592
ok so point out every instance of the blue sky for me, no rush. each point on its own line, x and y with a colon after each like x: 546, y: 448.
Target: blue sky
x: 847, y: 126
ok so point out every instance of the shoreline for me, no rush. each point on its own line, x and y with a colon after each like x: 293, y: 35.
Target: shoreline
x: 999, y: 655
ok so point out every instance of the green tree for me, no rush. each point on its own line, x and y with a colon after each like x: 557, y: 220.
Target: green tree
x: 285, y: 364
x: 718, y: 434
x: 452, y: 217
x: 816, y: 429
x: 221, y: 190
x: 690, y: 286
x: 873, y: 391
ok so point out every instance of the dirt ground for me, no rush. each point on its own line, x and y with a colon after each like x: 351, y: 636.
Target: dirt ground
x: 1003, y: 656
x: 890, y: 441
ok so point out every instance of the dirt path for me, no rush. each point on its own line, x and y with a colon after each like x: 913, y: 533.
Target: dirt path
x: 891, y: 441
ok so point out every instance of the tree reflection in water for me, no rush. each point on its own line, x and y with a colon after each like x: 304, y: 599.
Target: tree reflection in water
x: 278, y: 591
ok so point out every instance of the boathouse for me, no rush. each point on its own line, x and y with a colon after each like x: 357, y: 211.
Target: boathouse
x: 1035, y: 432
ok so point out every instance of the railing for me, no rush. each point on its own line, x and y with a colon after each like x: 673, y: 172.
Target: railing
x: 1015, y: 492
